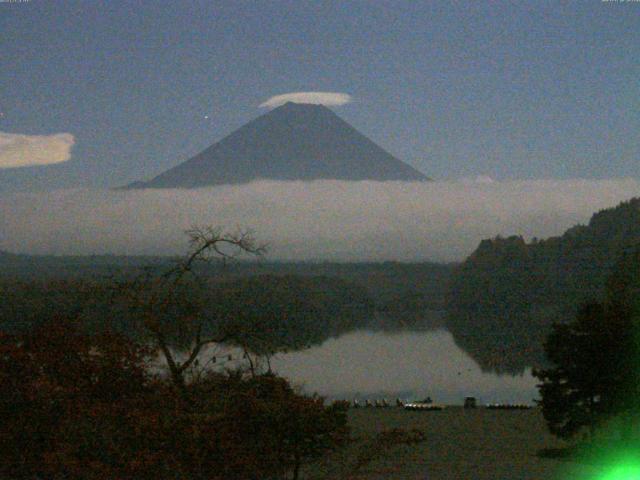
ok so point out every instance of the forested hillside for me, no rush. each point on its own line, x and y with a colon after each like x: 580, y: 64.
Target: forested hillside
x: 299, y: 304
x: 504, y: 297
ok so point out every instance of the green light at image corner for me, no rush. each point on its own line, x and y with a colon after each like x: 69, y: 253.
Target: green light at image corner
x: 624, y: 471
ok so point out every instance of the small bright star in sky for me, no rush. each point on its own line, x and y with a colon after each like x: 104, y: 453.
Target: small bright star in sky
x: 455, y: 90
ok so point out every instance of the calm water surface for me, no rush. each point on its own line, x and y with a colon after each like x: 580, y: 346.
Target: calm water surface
x: 365, y: 364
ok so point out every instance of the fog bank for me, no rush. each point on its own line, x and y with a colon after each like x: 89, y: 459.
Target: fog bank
x: 332, y: 220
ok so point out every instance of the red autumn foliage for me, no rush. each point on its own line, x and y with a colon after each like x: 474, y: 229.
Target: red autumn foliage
x: 74, y: 406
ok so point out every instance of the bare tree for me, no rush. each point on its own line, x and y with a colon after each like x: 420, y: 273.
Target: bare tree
x: 166, y: 303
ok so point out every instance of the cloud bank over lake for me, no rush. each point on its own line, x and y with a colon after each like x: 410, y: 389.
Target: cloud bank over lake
x: 332, y: 220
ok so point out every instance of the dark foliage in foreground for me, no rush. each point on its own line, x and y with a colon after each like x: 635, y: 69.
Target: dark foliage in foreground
x: 595, y: 372
x: 74, y: 406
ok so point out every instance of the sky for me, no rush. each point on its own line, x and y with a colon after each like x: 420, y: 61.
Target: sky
x: 107, y: 92
x: 525, y: 113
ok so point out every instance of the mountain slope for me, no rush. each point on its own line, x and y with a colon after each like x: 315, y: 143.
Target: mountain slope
x: 504, y: 297
x: 291, y: 142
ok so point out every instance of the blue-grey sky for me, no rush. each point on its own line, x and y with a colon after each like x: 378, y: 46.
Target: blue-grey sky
x: 512, y: 90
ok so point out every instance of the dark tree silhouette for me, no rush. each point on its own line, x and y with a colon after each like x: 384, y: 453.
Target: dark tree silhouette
x: 595, y: 372
x: 168, y: 305
x: 81, y: 404
x: 85, y: 407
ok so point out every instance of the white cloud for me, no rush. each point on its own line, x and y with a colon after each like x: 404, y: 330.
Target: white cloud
x: 478, y: 179
x: 28, y: 150
x: 318, y: 98
x: 326, y: 219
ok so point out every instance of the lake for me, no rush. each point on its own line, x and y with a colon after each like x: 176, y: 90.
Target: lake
x: 406, y: 364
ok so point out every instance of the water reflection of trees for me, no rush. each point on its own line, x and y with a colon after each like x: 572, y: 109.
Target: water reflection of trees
x: 294, y: 305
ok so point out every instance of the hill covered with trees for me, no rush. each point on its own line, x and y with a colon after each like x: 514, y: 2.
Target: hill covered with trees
x: 298, y: 305
x: 322, y: 299
x: 503, y: 299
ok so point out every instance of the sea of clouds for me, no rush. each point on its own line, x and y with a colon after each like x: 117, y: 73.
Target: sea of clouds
x: 319, y: 220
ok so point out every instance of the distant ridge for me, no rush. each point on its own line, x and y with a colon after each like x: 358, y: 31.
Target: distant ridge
x: 292, y: 142
x: 503, y: 299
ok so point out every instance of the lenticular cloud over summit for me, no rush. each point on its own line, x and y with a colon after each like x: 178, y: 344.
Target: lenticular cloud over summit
x: 318, y: 220
x: 328, y: 99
